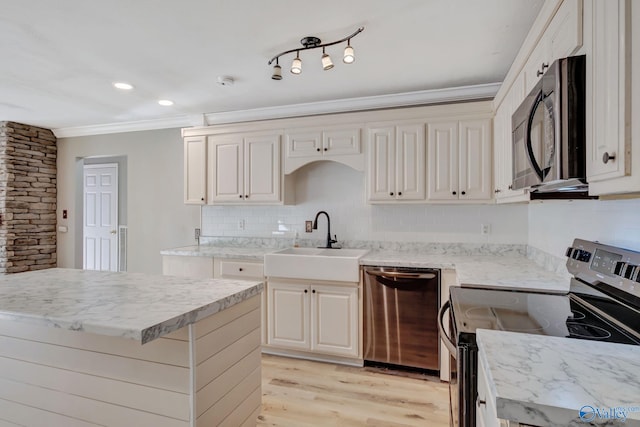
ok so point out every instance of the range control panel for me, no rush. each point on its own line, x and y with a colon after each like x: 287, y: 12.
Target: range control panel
x: 595, y: 263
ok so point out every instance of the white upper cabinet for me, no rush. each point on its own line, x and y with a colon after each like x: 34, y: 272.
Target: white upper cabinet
x: 195, y: 170
x: 244, y: 169
x: 612, y: 165
x: 562, y: 38
x: 459, y: 166
x: 396, y: 163
x: 337, y: 143
x: 503, y: 145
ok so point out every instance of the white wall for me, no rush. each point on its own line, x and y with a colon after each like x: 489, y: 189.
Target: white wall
x: 554, y: 224
x: 340, y: 191
x: 156, y: 215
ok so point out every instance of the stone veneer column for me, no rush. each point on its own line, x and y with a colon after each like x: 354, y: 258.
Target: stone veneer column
x: 27, y: 198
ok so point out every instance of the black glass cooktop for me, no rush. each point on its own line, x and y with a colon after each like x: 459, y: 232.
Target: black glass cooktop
x: 533, y: 313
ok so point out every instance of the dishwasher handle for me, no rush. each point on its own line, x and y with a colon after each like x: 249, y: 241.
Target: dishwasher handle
x: 445, y: 338
x: 394, y: 275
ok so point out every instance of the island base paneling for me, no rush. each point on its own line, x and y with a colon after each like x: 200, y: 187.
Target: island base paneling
x: 205, y: 374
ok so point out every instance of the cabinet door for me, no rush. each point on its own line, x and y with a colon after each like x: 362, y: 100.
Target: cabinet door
x: 303, y: 143
x: 262, y: 168
x: 503, y: 144
x: 334, y: 319
x: 339, y: 142
x: 565, y: 30
x: 475, y: 160
x: 226, y: 165
x: 537, y: 64
x: 382, y: 164
x: 410, y: 162
x: 443, y: 161
x: 188, y: 266
x: 288, y: 315
x: 486, y: 415
x: 608, y: 142
x: 195, y: 170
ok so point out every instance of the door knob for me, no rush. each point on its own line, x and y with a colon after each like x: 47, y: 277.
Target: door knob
x: 113, y: 231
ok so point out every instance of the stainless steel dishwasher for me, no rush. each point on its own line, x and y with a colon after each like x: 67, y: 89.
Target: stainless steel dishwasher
x: 401, y: 316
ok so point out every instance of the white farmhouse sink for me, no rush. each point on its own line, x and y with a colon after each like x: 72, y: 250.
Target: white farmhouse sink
x: 342, y: 265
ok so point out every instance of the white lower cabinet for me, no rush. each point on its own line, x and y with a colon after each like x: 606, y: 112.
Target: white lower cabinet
x: 313, y: 317
x: 197, y: 267
x: 486, y: 415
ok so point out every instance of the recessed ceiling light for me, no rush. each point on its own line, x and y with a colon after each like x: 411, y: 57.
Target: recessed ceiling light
x: 165, y: 102
x: 123, y: 86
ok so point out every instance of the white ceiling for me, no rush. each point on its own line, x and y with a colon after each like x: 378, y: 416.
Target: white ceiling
x: 59, y: 58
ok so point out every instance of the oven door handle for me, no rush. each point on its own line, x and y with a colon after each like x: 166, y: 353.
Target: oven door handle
x: 445, y: 338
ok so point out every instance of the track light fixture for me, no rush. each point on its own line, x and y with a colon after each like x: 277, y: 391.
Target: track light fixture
x: 312, y: 42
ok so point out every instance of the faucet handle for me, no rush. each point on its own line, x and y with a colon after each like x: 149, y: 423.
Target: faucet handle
x: 335, y: 239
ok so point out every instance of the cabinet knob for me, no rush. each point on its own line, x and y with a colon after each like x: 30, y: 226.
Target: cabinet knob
x: 454, y: 192
x: 481, y: 402
x: 606, y: 157
x: 317, y: 149
x: 305, y: 291
x: 326, y: 149
x: 240, y: 269
x: 399, y: 193
x: 541, y: 70
x: 497, y: 190
x: 391, y: 194
x: 313, y: 291
x: 240, y: 196
x: 463, y: 193
x: 202, y: 199
x: 510, y: 186
x: 246, y: 196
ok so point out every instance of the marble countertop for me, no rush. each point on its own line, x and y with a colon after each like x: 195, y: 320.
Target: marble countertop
x: 497, y: 269
x: 547, y: 381
x: 487, y: 271
x: 129, y: 305
x: 247, y: 253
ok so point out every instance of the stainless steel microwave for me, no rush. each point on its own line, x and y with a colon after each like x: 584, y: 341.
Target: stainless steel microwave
x: 549, y: 131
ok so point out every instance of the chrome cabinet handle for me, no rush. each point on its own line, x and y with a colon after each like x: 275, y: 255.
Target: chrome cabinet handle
x: 113, y: 231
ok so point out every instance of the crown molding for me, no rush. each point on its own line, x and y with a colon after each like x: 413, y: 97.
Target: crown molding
x: 406, y: 99
x: 140, y: 125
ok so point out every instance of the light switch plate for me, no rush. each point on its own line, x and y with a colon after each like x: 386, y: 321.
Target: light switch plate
x: 308, y: 226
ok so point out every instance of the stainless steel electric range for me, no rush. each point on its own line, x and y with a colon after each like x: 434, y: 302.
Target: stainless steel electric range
x: 603, y: 304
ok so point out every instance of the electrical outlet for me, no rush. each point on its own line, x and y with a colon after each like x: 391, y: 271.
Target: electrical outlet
x: 241, y: 224
x: 485, y: 228
x: 197, y: 233
x: 308, y: 226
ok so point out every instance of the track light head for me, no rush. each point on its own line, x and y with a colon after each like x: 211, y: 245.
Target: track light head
x: 349, y: 56
x: 296, y: 65
x: 327, y: 63
x: 277, y: 72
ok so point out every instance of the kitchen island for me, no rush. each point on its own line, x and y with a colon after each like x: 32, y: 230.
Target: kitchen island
x: 87, y: 348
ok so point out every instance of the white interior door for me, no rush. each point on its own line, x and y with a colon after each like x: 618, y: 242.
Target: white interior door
x: 100, y: 217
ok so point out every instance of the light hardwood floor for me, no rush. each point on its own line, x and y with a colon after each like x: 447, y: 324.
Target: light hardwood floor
x: 305, y: 393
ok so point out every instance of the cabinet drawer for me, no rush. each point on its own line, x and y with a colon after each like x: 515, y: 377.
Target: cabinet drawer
x: 249, y: 270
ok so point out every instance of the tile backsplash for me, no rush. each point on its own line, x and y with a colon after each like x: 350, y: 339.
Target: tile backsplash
x: 340, y: 191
